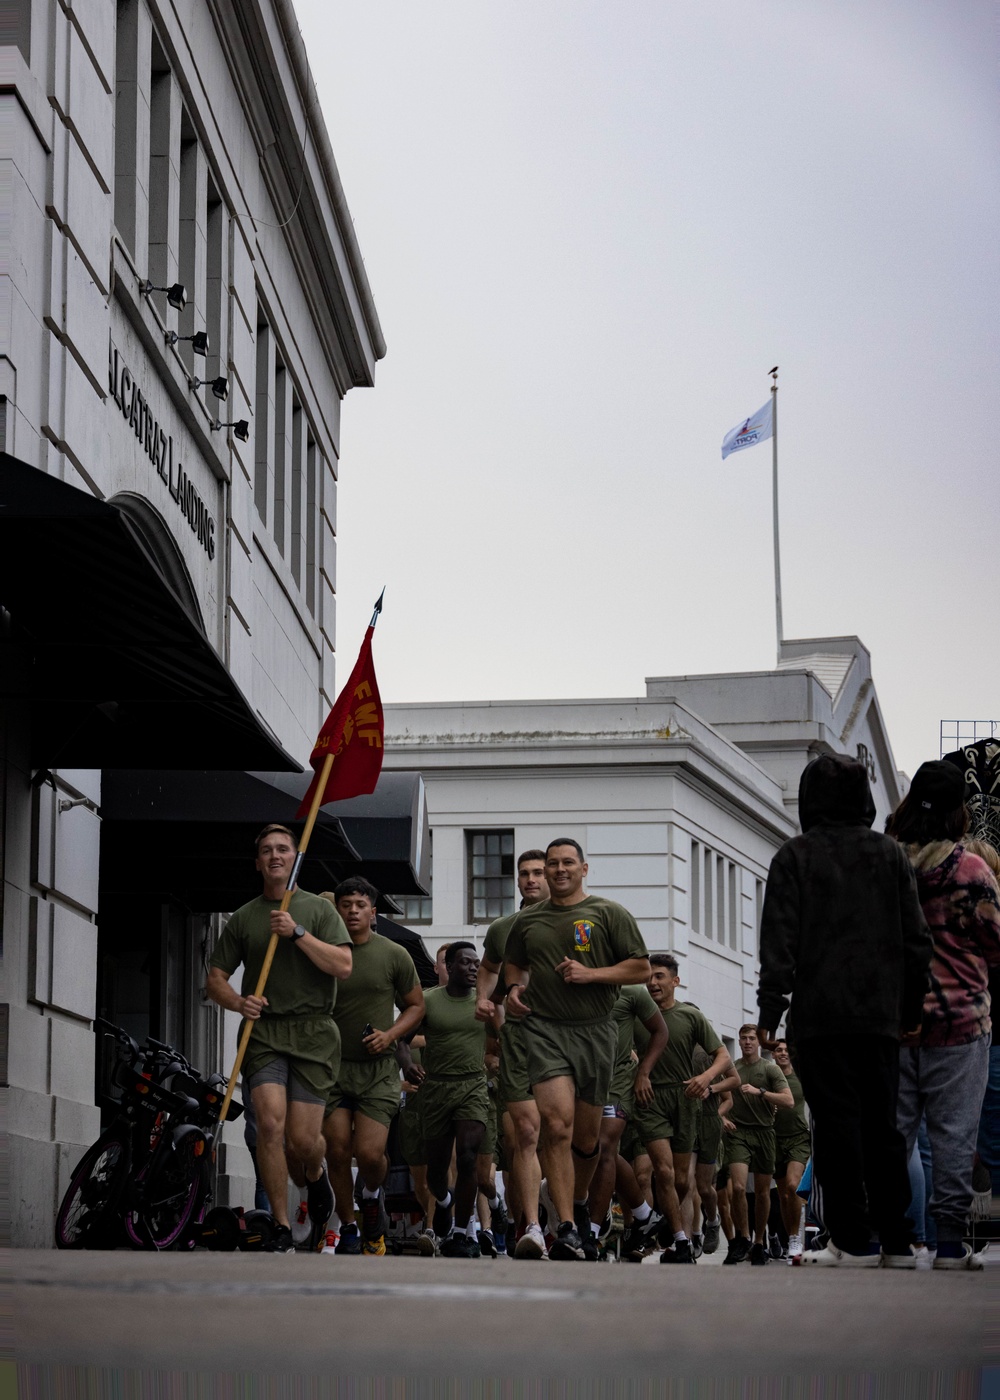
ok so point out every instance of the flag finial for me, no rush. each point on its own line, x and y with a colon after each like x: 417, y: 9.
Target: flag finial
x: 378, y: 608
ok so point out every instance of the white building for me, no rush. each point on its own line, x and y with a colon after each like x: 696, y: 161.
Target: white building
x: 167, y: 584
x: 679, y: 799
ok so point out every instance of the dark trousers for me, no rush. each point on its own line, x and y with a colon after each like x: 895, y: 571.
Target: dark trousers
x: 859, y: 1156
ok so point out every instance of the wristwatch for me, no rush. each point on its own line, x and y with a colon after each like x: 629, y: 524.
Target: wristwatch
x: 298, y: 932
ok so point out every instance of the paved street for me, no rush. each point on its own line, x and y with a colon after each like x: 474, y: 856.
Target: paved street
x: 468, y: 1320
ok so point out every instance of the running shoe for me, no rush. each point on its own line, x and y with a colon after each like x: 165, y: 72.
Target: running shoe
x: 832, y: 1258
x: 531, y: 1245
x: 374, y: 1223
x: 329, y: 1245
x: 758, y: 1254
x: 425, y: 1243
x: 794, y: 1250
x: 925, y: 1258
x: 302, y: 1226
x: 711, y: 1236
x: 319, y: 1195
x: 588, y: 1240
x: 682, y: 1253
x: 697, y: 1246
x: 282, y: 1242
x: 640, y: 1236
x: 487, y: 1244
x: 458, y: 1245
x: 899, y: 1259
x: 774, y: 1246
x: 739, y: 1249
x: 350, y: 1239
x: 968, y: 1259
x: 567, y: 1243
x: 499, y: 1219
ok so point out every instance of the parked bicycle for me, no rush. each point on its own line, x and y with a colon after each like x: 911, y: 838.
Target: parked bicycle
x: 146, y: 1182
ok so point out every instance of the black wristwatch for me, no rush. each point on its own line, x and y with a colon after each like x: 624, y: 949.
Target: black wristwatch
x: 298, y: 932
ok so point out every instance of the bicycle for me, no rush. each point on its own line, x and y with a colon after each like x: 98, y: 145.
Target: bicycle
x: 146, y: 1181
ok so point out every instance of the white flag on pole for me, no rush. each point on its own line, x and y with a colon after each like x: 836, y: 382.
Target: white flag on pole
x: 757, y: 428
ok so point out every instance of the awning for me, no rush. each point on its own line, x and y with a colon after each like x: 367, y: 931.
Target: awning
x: 390, y: 827
x: 188, y: 836
x: 109, y: 661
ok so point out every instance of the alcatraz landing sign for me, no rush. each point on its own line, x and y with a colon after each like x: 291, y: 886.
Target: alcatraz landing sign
x: 158, y: 446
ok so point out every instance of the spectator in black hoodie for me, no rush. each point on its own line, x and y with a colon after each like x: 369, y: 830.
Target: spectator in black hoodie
x: 844, y: 939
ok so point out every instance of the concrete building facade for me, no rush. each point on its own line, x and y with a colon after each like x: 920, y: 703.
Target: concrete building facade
x: 679, y: 798
x: 184, y: 308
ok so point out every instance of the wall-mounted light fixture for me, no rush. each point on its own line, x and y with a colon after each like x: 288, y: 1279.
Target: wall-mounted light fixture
x: 219, y: 387
x: 176, y: 295
x: 199, y: 341
x: 241, y: 429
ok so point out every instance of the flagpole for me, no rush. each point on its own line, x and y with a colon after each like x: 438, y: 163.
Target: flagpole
x: 774, y: 497
x: 286, y: 899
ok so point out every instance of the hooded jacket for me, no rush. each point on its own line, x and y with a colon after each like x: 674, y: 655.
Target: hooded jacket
x: 842, y: 934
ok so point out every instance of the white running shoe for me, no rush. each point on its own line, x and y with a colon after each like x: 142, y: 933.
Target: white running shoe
x: 900, y: 1261
x: 531, y: 1245
x: 329, y: 1245
x: 924, y: 1258
x: 794, y: 1249
x: 968, y: 1260
x: 832, y: 1257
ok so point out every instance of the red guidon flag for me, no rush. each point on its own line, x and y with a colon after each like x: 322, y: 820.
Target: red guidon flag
x: 353, y: 733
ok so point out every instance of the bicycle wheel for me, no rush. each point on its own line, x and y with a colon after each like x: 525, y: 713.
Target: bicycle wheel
x: 87, y: 1218
x: 171, y: 1194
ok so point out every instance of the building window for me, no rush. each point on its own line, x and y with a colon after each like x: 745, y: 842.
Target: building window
x: 491, y: 874
x: 419, y: 908
x: 715, y: 896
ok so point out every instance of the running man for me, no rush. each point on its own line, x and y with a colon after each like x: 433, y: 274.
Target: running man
x: 708, y: 1154
x: 520, y: 1121
x: 750, y: 1147
x: 792, y: 1151
x: 293, y: 1055
x: 565, y: 959
x: 454, y: 1106
x: 365, y: 1097
x: 669, y: 1125
x: 630, y: 1084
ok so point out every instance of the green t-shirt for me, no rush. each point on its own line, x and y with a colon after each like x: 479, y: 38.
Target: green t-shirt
x: 295, y: 985
x: 791, y: 1122
x: 495, y: 947
x: 633, y: 1008
x: 381, y: 975
x: 596, y: 932
x: 688, y: 1028
x: 749, y: 1110
x: 456, y: 1041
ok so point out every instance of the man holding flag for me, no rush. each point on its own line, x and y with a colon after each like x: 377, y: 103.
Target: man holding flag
x: 300, y: 943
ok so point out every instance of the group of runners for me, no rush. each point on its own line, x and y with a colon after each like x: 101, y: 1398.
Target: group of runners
x: 530, y: 1089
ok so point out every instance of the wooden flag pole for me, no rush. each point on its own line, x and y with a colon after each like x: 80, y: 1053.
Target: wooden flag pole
x: 286, y: 899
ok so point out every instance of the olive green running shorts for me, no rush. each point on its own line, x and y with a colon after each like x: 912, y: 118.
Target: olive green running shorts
x: 512, y: 1084
x: 630, y: 1147
x: 709, y: 1143
x: 671, y: 1115
x: 794, y: 1148
x: 310, y: 1044
x: 584, y: 1051
x: 411, y: 1132
x: 450, y: 1101
x: 370, y: 1087
x: 488, y: 1146
x: 754, y: 1146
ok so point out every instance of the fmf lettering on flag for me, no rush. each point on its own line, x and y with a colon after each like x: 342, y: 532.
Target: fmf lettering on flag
x: 354, y: 733
x: 757, y: 428
x: 582, y: 930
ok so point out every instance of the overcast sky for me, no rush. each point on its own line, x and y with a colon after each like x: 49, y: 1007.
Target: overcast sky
x: 590, y: 230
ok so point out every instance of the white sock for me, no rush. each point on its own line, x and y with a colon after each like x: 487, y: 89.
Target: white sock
x: 680, y: 1235
x: 642, y: 1213
x: 595, y: 1229
x: 470, y: 1229
x: 445, y: 1199
x: 367, y: 1195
